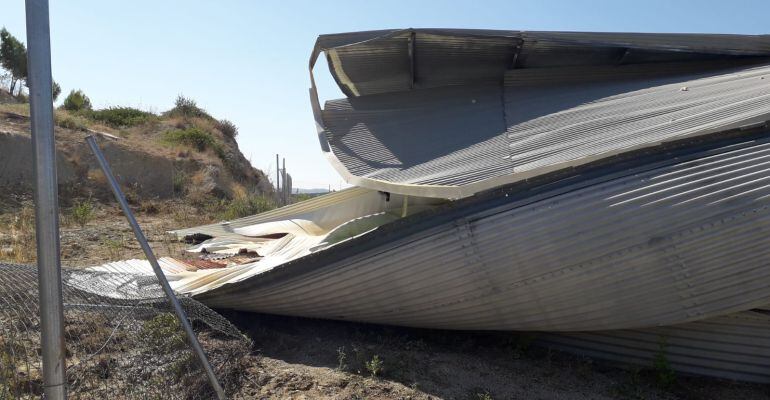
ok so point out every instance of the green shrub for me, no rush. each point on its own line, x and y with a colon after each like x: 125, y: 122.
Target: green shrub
x: 120, y: 117
x: 77, y: 101
x: 179, y: 181
x: 82, y: 212
x: 483, y: 395
x: 243, y: 206
x: 187, y: 107
x: 374, y: 366
x: 70, y: 123
x: 665, y: 375
x: 228, y: 128
x: 163, y: 333
x: 195, y: 137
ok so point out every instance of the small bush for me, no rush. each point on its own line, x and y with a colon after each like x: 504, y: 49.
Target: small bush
x: 374, y: 366
x: 114, y: 248
x: 187, y: 107
x: 163, y: 333
x: 664, y: 373
x: 342, y: 359
x: 77, y: 101
x: 70, y: 123
x: 246, y: 205
x: 228, y: 128
x: 82, y: 212
x: 120, y: 117
x: 179, y: 182
x: 195, y: 137
x: 484, y: 395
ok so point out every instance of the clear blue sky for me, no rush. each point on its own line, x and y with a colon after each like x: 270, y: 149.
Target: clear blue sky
x: 247, y: 60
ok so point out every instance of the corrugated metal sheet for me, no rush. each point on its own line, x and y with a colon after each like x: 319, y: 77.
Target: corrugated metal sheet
x: 431, y: 112
x: 308, y: 209
x: 735, y: 346
x: 326, y: 213
x: 366, y: 63
x: 658, y: 245
x: 455, y: 141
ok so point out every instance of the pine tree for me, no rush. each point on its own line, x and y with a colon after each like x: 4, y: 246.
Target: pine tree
x: 13, y: 57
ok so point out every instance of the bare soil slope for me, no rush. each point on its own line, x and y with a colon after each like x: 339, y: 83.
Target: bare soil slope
x: 149, y: 162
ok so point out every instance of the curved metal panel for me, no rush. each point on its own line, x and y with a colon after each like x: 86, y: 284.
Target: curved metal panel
x: 455, y: 141
x: 672, y: 244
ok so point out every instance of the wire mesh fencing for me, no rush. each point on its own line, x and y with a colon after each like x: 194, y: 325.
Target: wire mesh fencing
x: 122, y: 339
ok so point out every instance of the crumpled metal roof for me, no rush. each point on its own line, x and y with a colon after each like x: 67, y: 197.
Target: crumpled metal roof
x: 328, y: 210
x: 449, y: 113
x: 658, y: 239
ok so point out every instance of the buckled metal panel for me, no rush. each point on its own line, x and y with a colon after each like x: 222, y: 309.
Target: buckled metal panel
x: 658, y: 245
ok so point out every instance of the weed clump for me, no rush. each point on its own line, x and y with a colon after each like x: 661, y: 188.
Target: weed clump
x: 120, y: 117
x: 342, y: 359
x: 246, y: 205
x: 82, y: 212
x: 23, y: 234
x: 483, y: 395
x: 187, y: 107
x: 70, y: 123
x: 179, y: 182
x: 228, y: 128
x: 163, y: 333
x: 374, y: 366
x: 664, y: 373
x: 194, y: 137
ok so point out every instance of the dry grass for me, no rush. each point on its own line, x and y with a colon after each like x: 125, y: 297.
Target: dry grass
x: 63, y: 118
x: 22, y: 235
x: 21, y: 109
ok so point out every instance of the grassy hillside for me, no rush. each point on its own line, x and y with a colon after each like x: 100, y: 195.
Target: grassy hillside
x: 200, y: 151
x: 178, y: 168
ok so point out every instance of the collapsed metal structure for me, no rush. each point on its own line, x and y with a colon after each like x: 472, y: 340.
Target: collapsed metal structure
x: 609, y: 189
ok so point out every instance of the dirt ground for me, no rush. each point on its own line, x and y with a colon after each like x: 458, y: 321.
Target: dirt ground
x: 106, y: 235
x: 314, y: 359
x: 296, y: 358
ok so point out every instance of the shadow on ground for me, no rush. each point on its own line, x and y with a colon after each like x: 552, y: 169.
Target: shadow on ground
x: 398, y: 363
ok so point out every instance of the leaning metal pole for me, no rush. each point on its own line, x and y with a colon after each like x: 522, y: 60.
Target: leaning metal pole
x: 155, y: 267
x: 46, y: 200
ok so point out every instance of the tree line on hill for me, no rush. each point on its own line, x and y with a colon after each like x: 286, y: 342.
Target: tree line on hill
x: 13, y: 59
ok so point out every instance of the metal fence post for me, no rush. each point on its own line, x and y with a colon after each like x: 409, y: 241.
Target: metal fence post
x: 46, y: 199
x: 178, y: 310
x: 277, y: 180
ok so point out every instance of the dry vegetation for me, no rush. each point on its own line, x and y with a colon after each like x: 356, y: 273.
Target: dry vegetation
x: 201, y: 150
x: 210, y: 179
x: 93, y: 233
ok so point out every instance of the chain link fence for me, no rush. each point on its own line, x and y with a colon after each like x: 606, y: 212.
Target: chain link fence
x: 118, y: 347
